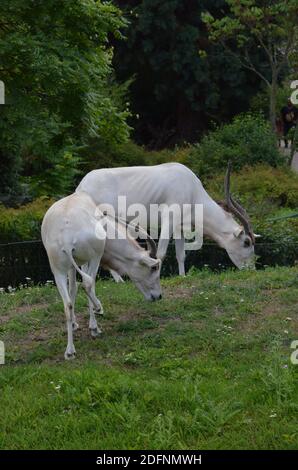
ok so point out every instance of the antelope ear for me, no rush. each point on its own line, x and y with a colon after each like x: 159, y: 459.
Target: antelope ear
x: 239, y: 232
x: 150, y: 262
x: 257, y: 235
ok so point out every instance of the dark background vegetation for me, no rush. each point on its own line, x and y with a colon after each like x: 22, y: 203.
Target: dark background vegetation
x: 182, y: 82
x: 93, y: 84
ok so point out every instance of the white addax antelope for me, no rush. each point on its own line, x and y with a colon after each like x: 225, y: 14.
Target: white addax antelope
x: 73, y: 235
x: 169, y: 184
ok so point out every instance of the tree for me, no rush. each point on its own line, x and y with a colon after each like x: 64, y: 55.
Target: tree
x: 55, y: 61
x: 271, y: 24
x: 182, y: 82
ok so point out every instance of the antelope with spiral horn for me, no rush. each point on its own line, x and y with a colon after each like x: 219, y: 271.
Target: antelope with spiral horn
x: 174, y: 184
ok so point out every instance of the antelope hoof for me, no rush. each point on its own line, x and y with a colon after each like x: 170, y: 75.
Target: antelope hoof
x: 69, y: 355
x: 99, y: 311
x: 95, y: 332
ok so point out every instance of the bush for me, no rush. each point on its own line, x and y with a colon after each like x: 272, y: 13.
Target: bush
x: 266, y: 193
x: 58, y: 180
x: 24, y: 222
x: 103, y: 156
x: 129, y: 154
x: 248, y: 140
x: 261, y: 188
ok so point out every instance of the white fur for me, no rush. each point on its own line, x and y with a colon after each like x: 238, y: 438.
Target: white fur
x: 169, y: 183
x: 73, y: 236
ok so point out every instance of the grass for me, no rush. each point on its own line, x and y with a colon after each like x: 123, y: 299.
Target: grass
x: 208, y: 367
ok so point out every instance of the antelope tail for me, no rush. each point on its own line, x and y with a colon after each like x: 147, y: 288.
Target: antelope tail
x: 88, y: 281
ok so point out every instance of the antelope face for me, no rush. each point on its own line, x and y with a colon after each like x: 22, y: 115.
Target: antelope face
x: 240, y: 249
x: 145, y: 274
x: 240, y: 244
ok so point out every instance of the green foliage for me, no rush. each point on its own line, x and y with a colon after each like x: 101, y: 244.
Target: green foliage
x: 260, y: 101
x: 56, y: 66
x: 261, y: 188
x: 248, y: 140
x: 266, y: 193
x: 24, y: 222
x: 10, y: 159
x: 130, y: 154
x: 106, y: 156
x: 58, y: 179
x: 181, y: 81
x: 271, y: 26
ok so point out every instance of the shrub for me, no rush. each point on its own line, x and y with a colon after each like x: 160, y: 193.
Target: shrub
x: 24, y: 222
x: 261, y: 187
x: 97, y: 155
x: 266, y: 193
x: 248, y: 140
x: 129, y: 154
x: 179, y: 154
x: 56, y: 179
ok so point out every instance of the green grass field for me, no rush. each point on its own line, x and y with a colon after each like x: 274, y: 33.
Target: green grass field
x: 208, y: 367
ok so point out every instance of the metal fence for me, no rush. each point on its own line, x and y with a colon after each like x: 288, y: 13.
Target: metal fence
x: 23, y: 260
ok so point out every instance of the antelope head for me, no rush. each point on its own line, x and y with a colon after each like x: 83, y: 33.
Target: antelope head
x: 240, y: 244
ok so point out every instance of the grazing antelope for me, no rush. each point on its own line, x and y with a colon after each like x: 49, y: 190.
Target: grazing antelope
x: 168, y: 184
x: 75, y: 240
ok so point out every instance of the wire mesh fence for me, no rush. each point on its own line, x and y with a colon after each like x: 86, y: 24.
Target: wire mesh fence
x: 24, y: 261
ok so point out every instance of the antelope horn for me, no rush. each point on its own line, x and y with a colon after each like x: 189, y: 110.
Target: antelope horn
x: 150, y: 242
x: 235, y: 207
x: 152, y: 247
